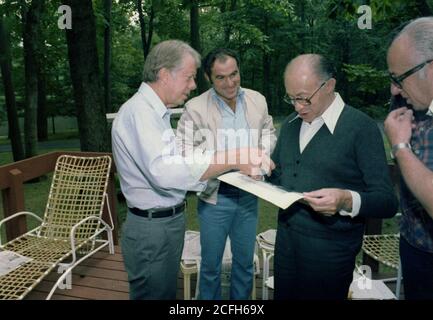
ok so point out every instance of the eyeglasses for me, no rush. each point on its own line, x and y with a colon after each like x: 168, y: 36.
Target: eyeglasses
x: 302, y: 101
x: 398, y: 81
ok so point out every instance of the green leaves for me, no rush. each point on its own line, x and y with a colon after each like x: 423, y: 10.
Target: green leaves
x: 367, y: 78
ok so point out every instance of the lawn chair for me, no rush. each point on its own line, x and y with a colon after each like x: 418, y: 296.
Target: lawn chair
x: 71, y: 228
x: 191, y: 259
x: 384, y: 248
x: 266, y: 242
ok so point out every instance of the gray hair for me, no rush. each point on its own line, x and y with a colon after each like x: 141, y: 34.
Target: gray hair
x: 168, y: 54
x: 323, y: 67
x: 420, y: 32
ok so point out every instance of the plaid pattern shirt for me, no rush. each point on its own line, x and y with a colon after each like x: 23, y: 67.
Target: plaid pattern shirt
x: 416, y: 224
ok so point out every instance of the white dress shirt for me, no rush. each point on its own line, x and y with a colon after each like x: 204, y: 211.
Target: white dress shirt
x: 151, y: 170
x: 308, y: 131
x: 430, y: 109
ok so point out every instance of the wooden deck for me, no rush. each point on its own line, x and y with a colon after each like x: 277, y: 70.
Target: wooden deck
x: 100, y: 277
x: 103, y: 277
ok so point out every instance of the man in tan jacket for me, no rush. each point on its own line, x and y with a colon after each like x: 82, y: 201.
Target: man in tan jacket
x: 225, y: 117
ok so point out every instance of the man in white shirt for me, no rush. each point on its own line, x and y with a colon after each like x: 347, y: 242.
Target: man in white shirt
x: 154, y: 176
x: 334, y: 154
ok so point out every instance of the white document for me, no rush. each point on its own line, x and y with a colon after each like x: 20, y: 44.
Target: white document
x: 261, y: 189
x: 9, y: 261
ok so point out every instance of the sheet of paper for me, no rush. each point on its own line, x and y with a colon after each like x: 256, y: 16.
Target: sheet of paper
x: 9, y: 261
x: 261, y: 189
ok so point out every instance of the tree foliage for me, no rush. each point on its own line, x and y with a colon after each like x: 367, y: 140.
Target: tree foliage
x: 266, y: 33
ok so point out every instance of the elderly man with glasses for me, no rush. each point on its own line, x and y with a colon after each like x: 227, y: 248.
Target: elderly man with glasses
x: 410, y: 132
x: 334, y: 154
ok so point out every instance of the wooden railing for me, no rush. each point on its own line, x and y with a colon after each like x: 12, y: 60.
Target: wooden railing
x: 14, y: 175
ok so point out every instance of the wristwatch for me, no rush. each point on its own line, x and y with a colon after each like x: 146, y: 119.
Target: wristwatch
x: 398, y: 146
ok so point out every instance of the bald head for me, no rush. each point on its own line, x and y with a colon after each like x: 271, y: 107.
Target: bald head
x: 308, y: 80
x: 310, y: 65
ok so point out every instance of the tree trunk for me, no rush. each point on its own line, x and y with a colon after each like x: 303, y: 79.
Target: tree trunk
x: 42, y: 116
x: 195, y: 43
x: 228, y: 27
x: 11, y: 109
x: 146, y: 40
x: 31, y: 17
x: 344, y: 45
x: 107, y: 56
x: 302, y: 33
x: 84, y: 69
x: 267, y: 66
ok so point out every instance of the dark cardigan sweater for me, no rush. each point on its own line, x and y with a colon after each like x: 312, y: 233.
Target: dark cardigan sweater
x: 353, y: 158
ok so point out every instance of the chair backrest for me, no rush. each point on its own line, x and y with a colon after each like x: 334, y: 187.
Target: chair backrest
x: 192, y: 250
x: 77, y: 191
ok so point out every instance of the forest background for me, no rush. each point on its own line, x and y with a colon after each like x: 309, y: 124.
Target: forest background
x: 87, y: 61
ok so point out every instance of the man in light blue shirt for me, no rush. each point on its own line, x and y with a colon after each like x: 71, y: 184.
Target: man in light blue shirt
x: 225, y: 117
x: 154, y: 176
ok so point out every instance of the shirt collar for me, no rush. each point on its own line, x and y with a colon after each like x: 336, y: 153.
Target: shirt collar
x: 154, y: 100
x: 333, y: 112
x: 218, y: 99
x: 430, y: 109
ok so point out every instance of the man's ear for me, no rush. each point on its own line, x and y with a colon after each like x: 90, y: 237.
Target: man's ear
x: 163, y: 75
x: 331, y: 85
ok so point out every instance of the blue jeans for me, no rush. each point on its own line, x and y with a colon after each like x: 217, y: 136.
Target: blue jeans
x: 234, y: 215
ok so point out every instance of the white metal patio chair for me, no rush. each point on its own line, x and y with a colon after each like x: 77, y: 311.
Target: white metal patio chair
x: 384, y: 248
x: 191, y: 258
x: 71, y: 228
x: 266, y: 242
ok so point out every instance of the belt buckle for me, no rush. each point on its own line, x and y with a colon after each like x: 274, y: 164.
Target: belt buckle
x: 150, y: 213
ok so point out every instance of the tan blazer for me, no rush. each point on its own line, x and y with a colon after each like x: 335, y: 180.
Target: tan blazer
x: 197, y: 128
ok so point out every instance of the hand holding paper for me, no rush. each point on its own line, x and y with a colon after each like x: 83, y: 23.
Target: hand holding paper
x: 329, y: 201
x: 255, y: 163
x: 264, y: 190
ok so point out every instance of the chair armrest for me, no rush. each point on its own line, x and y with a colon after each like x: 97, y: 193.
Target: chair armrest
x: 21, y: 213
x: 74, y: 228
